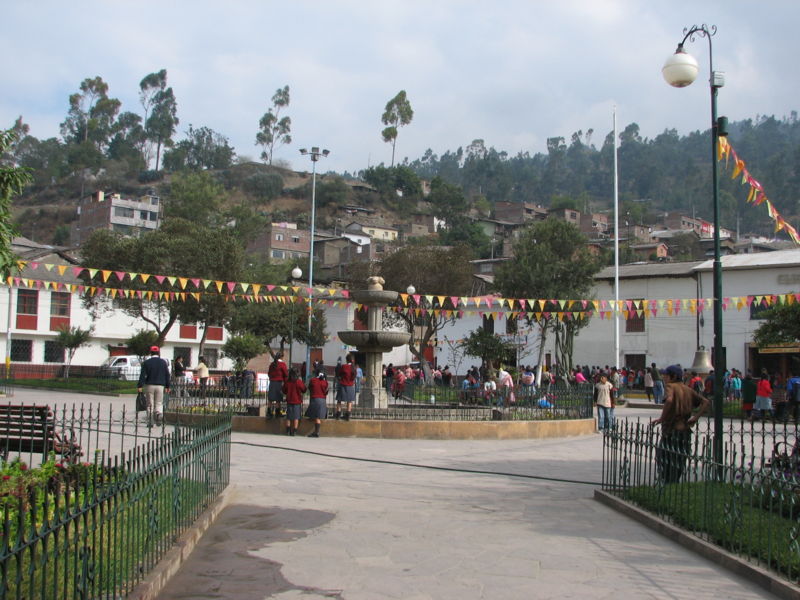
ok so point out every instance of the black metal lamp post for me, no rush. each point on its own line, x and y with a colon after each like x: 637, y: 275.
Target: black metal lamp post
x: 315, y: 153
x: 680, y: 70
x: 296, y: 274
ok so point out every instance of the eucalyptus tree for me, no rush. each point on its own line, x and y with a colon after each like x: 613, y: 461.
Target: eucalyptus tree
x: 160, y: 110
x: 12, y: 181
x: 398, y: 113
x: 274, y: 130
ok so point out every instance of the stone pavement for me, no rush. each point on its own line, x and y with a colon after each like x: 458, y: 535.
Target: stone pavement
x: 300, y: 525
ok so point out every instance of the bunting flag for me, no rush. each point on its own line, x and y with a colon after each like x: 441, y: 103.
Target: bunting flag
x: 756, y: 194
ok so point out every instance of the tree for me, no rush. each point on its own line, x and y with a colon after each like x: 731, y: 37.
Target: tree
x: 274, y: 129
x: 242, y: 348
x: 397, y: 113
x: 126, y: 143
x: 12, y: 181
x: 203, y: 148
x: 487, y: 346
x: 551, y: 260
x: 781, y: 326
x: 160, y: 110
x: 91, y: 114
x: 72, y: 338
x: 141, y: 342
x: 447, y: 199
x: 433, y: 271
x: 195, y: 196
x: 178, y: 248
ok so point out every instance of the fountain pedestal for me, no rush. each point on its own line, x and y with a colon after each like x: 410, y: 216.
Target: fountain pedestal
x: 373, y: 341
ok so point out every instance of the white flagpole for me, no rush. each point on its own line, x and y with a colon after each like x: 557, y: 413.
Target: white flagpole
x: 616, y: 251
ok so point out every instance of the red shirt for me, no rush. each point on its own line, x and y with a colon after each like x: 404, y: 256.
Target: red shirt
x: 347, y: 374
x: 278, y: 371
x: 318, y: 387
x: 294, y: 391
x: 763, y: 388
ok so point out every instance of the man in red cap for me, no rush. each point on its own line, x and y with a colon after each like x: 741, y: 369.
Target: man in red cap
x: 154, y: 381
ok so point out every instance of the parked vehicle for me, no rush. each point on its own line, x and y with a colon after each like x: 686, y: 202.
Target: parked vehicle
x: 125, y: 367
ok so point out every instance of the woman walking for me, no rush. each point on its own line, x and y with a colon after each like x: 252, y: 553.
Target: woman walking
x: 763, y: 397
x: 293, y: 388
x: 318, y: 407
x: 278, y: 373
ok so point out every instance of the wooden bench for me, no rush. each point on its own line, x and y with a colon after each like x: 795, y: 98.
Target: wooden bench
x: 32, y: 428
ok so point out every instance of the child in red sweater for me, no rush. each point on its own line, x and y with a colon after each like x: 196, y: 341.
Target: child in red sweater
x: 293, y: 389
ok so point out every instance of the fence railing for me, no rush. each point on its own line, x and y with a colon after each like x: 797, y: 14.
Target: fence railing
x: 748, y: 503
x: 92, y: 523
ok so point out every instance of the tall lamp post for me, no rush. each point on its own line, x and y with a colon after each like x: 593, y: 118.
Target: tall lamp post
x: 680, y: 70
x: 315, y: 155
x: 296, y: 274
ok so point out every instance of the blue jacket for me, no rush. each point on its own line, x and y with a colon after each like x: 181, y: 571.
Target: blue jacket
x: 155, y: 371
x: 793, y: 388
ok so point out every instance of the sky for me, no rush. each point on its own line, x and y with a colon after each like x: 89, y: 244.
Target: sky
x: 510, y: 72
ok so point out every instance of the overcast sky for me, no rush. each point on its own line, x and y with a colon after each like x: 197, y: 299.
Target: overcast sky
x: 512, y: 73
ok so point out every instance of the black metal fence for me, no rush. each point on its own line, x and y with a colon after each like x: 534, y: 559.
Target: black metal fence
x: 440, y: 403
x: 747, y: 503
x: 91, y: 522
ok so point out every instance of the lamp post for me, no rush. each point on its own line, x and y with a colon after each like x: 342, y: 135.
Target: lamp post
x: 315, y: 155
x: 296, y: 274
x: 680, y: 70
x: 411, y: 290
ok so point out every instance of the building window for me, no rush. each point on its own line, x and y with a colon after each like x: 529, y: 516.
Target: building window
x: 296, y: 239
x: 59, y: 304
x: 277, y: 254
x: 212, y: 357
x: 154, y: 200
x: 185, y: 352
x: 21, y: 350
x: 488, y: 323
x: 635, y: 321
x: 278, y: 237
x: 53, y: 353
x: 153, y: 216
x: 27, y: 302
x: 122, y: 211
x: 143, y: 214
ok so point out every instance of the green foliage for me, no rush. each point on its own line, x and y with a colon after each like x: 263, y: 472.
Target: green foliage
x: 447, y: 199
x: 160, y: 110
x: 397, y: 113
x: 242, y: 348
x: 203, y: 148
x: 12, y: 182
x: 72, y: 338
x: 558, y: 202
x: 194, y: 196
x: 781, y: 326
x: 265, y: 186
x: 487, y: 346
x: 387, y: 181
x: 141, y: 342
x: 463, y: 230
x: 274, y: 129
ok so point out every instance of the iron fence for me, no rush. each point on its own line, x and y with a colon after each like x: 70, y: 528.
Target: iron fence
x: 747, y: 503
x: 440, y: 403
x: 92, y: 522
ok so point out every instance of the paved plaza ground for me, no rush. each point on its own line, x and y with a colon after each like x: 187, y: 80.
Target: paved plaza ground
x: 305, y: 525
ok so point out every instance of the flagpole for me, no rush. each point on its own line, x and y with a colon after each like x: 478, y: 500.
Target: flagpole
x: 616, y: 250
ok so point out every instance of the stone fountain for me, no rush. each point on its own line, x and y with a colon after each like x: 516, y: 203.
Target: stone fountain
x: 374, y: 341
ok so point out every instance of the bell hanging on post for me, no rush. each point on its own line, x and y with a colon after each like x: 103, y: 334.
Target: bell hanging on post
x: 702, y: 361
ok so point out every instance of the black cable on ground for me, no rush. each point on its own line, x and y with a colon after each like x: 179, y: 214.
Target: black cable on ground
x: 431, y: 467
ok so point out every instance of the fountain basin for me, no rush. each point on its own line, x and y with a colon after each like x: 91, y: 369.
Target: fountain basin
x: 374, y: 297
x: 374, y: 341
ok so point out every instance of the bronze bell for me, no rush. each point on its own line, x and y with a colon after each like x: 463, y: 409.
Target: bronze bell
x: 702, y: 361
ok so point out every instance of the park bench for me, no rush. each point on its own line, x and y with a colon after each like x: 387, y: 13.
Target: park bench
x: 32, y: 428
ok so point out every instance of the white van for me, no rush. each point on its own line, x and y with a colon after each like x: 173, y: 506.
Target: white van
x: 125, y: 367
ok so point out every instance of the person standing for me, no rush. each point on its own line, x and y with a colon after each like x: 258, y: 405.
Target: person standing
x: 793, y: 395
x: 179, y: 375
x: 318, y: 406
x: 658, y: 384
x: 648, y: 384
x: 763, y: 397
x: 676, y: 420
x: 201, y: 372
x: 293, y: 388
x: 346, y: 376
x: 154, y: 382
x: 603, y: 389
x: 278, y: 373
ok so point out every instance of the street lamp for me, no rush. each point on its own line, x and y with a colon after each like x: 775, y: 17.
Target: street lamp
x: 680, y: 70
x: 411, y: 290
x: 296, y: 274
x: 315, y: 155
